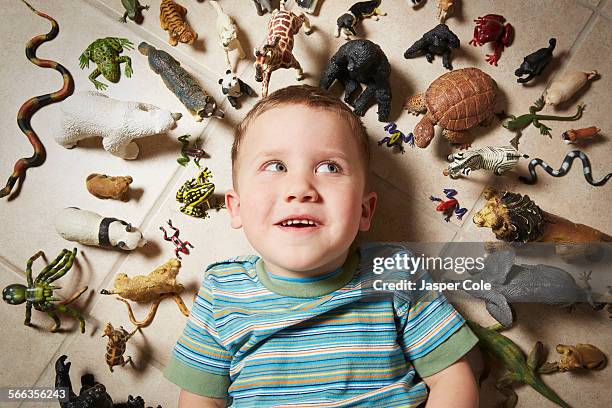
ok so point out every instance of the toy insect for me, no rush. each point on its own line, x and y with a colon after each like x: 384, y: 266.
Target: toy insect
x: 133, y: 11
x: 181, y: 246
x: 573, y: 136
x: 444, y: 8
x: 155, y: 287
x: 115, y: 348
x: 449, y: 206
x: 39, y: 291
x: 277, y: 52
x: 491, y: 28
x: 496, y: 159
x: 565, y: 167
x: 32, y: 105
x: 439, y: 40
x: 195, y: 193
x: 196, y: 152
x: 397, y: 138
x: 104, y: 52
x: 564, y: 87
x: 346, y: 22
x: 534, y: 63
x: 574, y: 358
x: 172, y: 19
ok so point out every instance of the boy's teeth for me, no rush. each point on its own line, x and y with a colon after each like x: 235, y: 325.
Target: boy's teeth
x: 303, y: 222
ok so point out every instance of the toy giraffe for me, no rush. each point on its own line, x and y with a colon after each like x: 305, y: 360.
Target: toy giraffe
x: 277, y: 51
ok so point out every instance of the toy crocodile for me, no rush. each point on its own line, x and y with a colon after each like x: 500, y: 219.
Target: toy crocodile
x: 519, y: 123
x: 513, y: 359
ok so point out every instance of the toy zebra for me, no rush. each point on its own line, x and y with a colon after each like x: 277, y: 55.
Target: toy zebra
x: 497, y: 159
x: 565, y: 167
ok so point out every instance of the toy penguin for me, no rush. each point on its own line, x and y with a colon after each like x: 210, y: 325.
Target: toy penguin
x: 358, y: 11
x: 234, y: 88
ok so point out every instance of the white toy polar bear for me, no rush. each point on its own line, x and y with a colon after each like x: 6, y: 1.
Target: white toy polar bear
x: 88, y: 114
x: 90, y: 228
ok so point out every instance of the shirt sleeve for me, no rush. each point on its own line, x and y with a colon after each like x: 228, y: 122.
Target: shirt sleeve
x: 433, y: 334
x: 199, y: 363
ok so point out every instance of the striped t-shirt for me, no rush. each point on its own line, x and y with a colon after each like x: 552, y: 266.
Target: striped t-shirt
x: 333, y: 342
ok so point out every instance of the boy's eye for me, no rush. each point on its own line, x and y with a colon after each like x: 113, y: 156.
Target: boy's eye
x: 328, y: 168
x: 275, y: 166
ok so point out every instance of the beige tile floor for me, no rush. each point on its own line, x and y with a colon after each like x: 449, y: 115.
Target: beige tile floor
x: 404, y: 182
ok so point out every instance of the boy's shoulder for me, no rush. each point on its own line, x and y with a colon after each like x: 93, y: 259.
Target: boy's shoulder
x: 235, y: 265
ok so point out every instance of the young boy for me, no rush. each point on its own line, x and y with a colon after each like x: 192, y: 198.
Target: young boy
x: 300, y: 325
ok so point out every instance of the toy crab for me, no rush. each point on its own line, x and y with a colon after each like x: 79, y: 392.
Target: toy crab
x: 181, y: 246
x: 397, y: 138
x: 39, y: 292
x: 195, y: 193
x: 491, y: 28
x: 155, y: 287
x: 447, y: 207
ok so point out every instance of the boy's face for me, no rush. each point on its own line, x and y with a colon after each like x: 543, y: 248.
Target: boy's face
x: 300, y: 189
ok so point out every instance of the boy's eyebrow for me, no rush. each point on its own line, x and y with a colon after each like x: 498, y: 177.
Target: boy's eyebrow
x: 279, y: 152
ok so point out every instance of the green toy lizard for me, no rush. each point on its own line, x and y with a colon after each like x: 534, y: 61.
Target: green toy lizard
x: 512, y: 122
x: 513, y: 359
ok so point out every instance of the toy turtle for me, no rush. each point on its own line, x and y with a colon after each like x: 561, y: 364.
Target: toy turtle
x: 457, y: 101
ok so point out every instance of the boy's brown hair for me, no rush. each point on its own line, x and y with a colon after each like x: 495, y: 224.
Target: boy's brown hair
x: 310, y: 96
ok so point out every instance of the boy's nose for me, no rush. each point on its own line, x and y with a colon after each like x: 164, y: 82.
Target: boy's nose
x: 301, y: 191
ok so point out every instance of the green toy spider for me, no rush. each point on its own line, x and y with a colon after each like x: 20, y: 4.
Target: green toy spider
x: 39, y: 292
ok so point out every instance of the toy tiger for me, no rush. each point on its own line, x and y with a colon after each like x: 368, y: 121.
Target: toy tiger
x: 172, y: 19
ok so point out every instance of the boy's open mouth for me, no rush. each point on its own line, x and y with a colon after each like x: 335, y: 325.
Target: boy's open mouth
x: 295, y: 222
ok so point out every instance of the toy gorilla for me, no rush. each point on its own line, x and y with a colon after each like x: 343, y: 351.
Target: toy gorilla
x: 361, y: 62
x: 440, y: 40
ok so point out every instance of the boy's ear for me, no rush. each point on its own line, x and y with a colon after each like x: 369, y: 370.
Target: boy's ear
x: 232, y: 203
x: 368, y: 206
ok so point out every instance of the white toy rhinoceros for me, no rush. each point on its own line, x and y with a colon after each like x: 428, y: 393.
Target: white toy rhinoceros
x: 88, y: 114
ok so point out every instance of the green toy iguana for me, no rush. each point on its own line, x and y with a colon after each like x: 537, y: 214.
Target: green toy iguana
x: 519, y: 123
x: 512, y: 358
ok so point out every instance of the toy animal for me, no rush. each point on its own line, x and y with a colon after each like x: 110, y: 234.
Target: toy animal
x: 195, y: 193
x: 262, y: 6
x: 346, y: 22
x: 444, y: 8
x: 574, y: 136
x: 540, y: 283
x: 133, y: 11
x: 181, y: 246
x: 564, y: 87
x: 496, y: 159
x: 181, y: 83
x: 234, y: 88
x: 519, y: 123
x: 514, y: 217
x: 457, y: 101
x: 361, y: 62
x: 308, y: 6
x: 397, y: 138
x: 565, y: 167
x: 228, y: 33
x: 534, y: 63
x: 510, y: 356
x: 491, y: 28
x: 103, y: 186
x: 440, y: 40
x: 39, y: 291
x: 172, y: 19
x: 92, y: 394
x: 449, y: 206
x: 575, y: 358
x: 93, y: 114
x: 196, y: 152
x: 90, y: 228
x: 277, y: 52
x: 115, y: 348
x: 155, y: 287
x: 104, y: 52
x: 32, y: 105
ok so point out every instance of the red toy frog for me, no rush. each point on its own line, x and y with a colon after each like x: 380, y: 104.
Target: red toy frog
x: 450, y: 206
x: 491, y: 28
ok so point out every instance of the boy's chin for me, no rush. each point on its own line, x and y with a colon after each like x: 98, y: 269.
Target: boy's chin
x: 306, y: 260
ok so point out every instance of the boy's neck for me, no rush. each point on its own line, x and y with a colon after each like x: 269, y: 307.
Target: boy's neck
x: 277, y: 270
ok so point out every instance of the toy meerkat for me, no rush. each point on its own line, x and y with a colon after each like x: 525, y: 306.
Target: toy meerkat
x: 358, y: 11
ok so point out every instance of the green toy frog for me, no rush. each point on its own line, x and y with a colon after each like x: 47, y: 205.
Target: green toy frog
x: 104, y: 52
x: 194, y: 194
x: 133, y: 10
